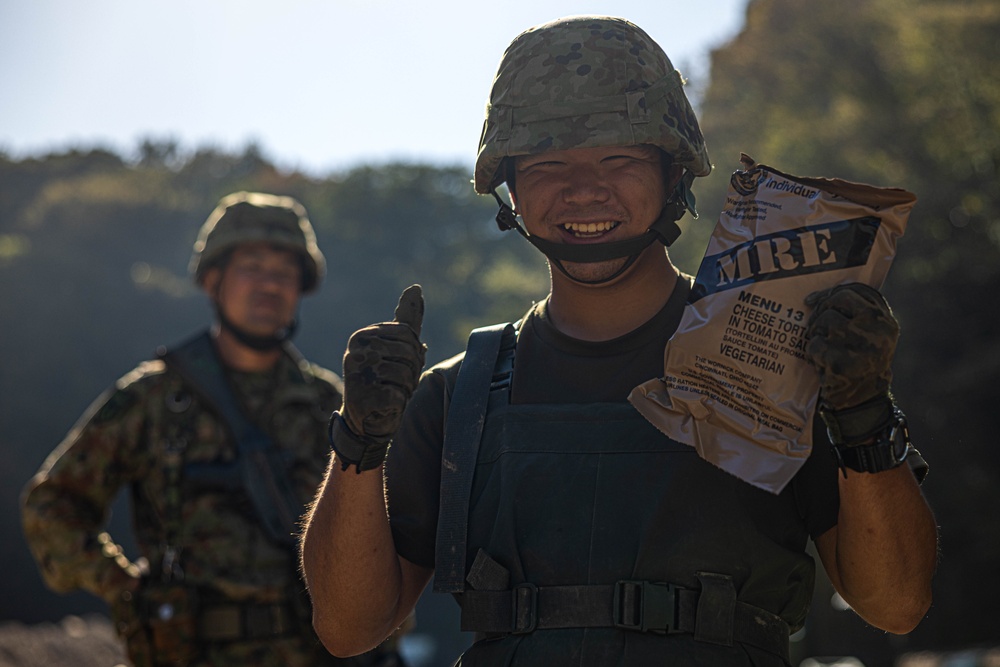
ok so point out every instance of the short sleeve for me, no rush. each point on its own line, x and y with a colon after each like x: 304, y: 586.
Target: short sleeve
x: 413, y: 466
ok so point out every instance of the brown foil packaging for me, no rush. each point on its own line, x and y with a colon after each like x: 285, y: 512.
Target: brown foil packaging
x: 737, y: 385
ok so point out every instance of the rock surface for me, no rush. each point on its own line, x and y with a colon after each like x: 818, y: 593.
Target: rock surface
x: 75, y: 641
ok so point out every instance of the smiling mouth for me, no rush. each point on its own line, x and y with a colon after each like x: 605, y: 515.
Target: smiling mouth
x: 589, y: 229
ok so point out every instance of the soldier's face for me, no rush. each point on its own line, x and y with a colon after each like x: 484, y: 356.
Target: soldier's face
x: 258, y: 288
x: 590, y: 195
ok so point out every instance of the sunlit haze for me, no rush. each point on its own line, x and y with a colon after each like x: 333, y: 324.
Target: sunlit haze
x: 319, y: 86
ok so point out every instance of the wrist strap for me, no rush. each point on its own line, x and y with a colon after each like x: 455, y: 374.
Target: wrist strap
x: 889, y: 449
x: 876, y: 457
x: 353, y: 450
x: 857, y: 424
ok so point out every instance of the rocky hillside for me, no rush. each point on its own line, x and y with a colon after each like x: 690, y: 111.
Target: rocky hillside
x: 75, y: 641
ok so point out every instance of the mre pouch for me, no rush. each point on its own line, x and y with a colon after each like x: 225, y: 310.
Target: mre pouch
x: 737, y: 385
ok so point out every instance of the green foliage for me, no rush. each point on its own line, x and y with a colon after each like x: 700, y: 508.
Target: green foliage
x: 383, y: 228
x: 900, y: 93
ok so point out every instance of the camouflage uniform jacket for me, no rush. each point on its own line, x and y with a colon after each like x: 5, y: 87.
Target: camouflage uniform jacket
x: 123, y: 441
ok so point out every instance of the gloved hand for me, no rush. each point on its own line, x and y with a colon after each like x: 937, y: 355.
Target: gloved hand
x: 381, y: 368
x: 852, y: 337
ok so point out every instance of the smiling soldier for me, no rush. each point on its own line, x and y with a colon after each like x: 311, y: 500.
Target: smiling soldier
x: 570, y: 530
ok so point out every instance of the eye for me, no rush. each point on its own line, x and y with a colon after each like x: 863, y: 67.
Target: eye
x: 540, y: 164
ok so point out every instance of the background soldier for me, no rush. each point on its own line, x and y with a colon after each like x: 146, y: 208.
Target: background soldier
x: 585, y: 536
x: 221, y: 442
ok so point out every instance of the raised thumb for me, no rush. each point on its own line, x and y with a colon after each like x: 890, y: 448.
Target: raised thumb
x: 410, y: 309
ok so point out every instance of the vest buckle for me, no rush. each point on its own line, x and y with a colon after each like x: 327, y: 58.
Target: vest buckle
x: 524, y: 608
x: 646, y: 606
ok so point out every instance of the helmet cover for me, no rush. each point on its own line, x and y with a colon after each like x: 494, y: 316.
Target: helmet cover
x: 584, y: 82
x: 248, y: 217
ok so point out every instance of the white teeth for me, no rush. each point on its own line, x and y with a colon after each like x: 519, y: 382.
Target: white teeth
x: 588, y: 228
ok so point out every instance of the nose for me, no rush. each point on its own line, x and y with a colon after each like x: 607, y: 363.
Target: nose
x: 585, y: 185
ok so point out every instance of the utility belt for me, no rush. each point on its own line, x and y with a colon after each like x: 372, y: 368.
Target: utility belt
x: 169, y: 623
x: 712, y: 614
x: 245, y: 621
x: 180, y: 609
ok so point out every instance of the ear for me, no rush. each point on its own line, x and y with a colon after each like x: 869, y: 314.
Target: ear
x: 210, y: 281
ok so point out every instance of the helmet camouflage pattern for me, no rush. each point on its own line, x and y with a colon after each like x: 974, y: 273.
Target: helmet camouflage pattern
x: 248, y: 217
x: 583, y: 82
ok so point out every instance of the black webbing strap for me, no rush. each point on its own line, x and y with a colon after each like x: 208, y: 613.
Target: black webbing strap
x: 636, y: 606
x: 245, y: 621
x: 463, y: 431
x: 262, y: 475
x: 716, y: 609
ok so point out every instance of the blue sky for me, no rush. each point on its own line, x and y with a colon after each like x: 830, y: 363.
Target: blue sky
x: 318, y: 85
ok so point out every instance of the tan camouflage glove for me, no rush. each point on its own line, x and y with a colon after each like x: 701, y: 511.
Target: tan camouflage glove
x: 852, y: 337
x: 381, y: 368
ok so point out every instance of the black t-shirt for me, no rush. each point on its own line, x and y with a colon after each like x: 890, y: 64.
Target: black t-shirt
x: 551, y: 367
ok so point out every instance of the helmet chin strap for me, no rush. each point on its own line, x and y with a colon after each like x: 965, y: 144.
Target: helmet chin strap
x: 253, y: 341
x: 664, y: 229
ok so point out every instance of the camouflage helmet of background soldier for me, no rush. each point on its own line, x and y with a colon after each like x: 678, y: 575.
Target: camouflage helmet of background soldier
x: 586, y: 82
x: 249, y: 217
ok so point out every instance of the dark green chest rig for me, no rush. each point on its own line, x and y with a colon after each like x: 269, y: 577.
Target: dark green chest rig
x: 559, y: 518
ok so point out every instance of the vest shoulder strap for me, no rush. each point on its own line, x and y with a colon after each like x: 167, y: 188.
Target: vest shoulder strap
x: 260, y: 471
x: 487, y: 367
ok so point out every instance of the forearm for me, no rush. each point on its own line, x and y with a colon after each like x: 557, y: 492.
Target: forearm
x: 71, y: 552
x: 350, y: 563
x: 361, y: 589
x: 886, y: 548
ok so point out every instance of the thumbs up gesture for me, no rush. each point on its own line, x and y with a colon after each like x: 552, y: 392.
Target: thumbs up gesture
x: 381, y: 368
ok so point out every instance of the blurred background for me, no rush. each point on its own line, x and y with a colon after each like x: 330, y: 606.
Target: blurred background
x: 122, y: 124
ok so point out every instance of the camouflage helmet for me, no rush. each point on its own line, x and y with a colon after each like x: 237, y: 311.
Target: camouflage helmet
x: 248, y: 217
x: 583, y: 82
